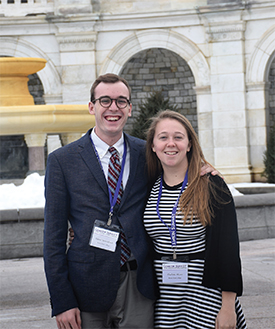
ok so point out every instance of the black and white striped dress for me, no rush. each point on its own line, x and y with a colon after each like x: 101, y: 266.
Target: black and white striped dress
x: 182, y: 305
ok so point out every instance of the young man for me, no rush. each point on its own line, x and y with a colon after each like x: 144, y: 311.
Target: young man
x: 87, y: 285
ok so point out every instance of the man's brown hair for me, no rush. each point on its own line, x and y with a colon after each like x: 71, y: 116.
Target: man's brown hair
x: 108, y: 78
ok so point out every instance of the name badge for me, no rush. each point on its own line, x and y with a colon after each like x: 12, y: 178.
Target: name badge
x: 104, y: 236
x: 175, y: 272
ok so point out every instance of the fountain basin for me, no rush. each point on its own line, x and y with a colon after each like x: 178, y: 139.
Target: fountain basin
x: 50, y: 119
x: 14, y: 79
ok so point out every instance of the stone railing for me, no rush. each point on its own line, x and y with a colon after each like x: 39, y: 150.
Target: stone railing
x: 26, y: 7
x: 21, y: 230
x: 255, y: 213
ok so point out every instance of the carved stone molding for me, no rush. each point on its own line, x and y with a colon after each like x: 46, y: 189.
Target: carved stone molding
x: 65, y: 7
x: 35, y: 140
x: 202, y: 90
x: 229, y: 31
x: 70, y: 42
x: 259, y: 86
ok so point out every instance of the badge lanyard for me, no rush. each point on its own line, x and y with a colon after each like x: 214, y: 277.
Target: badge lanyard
x: 173, y: 228
x: 113, y: 200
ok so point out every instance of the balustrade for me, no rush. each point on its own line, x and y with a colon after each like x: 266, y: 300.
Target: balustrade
x: 25, y: 7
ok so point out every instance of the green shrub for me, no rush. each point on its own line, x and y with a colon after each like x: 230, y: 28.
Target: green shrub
x: 269, y: 158
x: 150, y: 107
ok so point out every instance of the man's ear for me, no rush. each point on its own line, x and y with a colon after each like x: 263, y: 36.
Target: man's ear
x: 130, y: 110
x: 91, y: 108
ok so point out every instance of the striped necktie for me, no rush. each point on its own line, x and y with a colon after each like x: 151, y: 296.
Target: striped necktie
x: 113, y: 175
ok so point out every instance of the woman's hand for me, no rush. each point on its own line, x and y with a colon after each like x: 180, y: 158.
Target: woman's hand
x: 206, y: 168
x: 226, y: 318
x: 71, y: 235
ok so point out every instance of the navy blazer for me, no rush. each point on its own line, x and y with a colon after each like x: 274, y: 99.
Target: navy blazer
x: 76, y: 191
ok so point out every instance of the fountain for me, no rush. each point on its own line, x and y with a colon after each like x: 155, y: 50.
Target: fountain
x: 19, y: 115
x: 22, y: 229
x: 14, y: 79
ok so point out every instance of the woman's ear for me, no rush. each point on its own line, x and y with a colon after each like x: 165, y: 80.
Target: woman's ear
x: 189, y: 146
x: 153, y: 149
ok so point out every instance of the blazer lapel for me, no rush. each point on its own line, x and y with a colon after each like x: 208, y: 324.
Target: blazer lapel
x: 87, y: 152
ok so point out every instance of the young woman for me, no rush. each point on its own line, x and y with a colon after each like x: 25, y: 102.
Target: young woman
x: 192, y: 222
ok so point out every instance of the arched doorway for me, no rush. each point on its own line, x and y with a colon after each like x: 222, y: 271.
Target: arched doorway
x: 159, y: 69
x: 270, y: 107
x: 140, y: 41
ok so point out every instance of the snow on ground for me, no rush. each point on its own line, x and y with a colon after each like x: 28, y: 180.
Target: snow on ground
x: 31, y: 193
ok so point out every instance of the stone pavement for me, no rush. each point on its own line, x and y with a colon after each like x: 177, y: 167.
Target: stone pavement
x: 25, y: 301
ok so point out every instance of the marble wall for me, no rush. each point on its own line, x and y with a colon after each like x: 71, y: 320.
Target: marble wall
x: 227, y: 48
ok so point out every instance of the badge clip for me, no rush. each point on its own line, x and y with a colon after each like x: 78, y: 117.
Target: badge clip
x: 110, y: 219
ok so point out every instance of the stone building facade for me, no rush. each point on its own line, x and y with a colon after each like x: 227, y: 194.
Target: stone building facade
x: 213, y: 58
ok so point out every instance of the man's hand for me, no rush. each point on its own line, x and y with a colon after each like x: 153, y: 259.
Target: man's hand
x: 69, y: 320
x: 205, y: 169
x: 71, y: 235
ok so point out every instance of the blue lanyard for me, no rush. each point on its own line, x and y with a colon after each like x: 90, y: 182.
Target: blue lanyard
x: 173, y: 228
x: 113, y: 200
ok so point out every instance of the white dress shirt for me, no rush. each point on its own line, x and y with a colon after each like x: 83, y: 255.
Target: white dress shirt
x: 104, y: 155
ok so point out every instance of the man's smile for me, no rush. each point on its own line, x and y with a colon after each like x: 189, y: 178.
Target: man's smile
x: 112, y: 118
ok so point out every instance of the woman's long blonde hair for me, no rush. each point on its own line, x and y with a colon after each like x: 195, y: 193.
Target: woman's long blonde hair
x: 196, y: 198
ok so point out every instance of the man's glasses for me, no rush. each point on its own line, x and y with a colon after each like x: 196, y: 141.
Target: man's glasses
x: 106, y: 101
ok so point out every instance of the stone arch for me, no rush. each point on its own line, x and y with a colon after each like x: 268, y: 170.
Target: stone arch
x: 257, y: 85
x: 270, y: 102
x: 258, y: 68
x: 158, y: 38
x: 49, y: 76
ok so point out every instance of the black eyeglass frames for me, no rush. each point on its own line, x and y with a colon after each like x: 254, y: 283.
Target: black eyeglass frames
x: 106, y: 101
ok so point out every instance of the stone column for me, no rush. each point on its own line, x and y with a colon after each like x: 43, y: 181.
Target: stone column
x: 36, y: 143
x: 204, y: 108
x: 53, y: 143
x: 69, y: 138
x: 229, y: 118
x: 256, y: 119
x: 76, y: 38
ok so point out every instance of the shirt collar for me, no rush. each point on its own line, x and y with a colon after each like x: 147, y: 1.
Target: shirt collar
x: 102, y: 147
